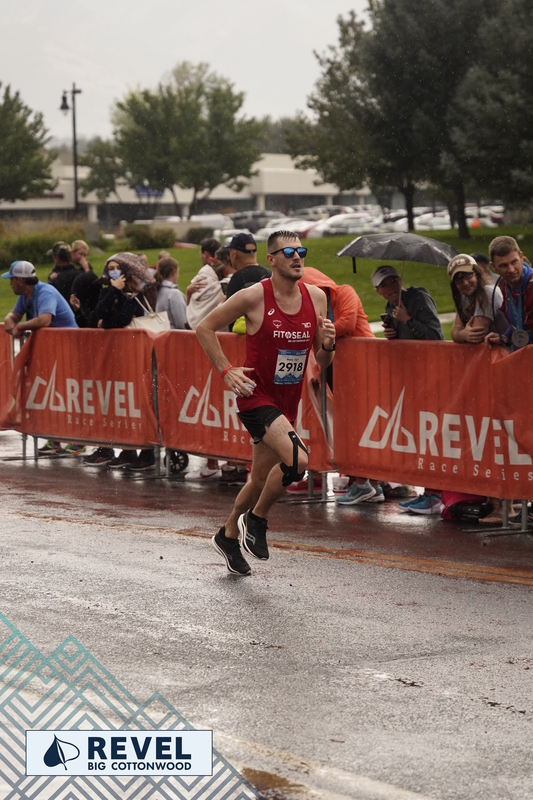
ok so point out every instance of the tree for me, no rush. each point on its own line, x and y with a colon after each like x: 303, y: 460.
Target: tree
x: 25, y: 169
x: 336, y: 140
x: 187, y: 133
x: 354, y: 138
x: 382, y: 104
x: 275, y: 134
x: 420, y: 53
x: 491, y: 120
x: 106, y: 169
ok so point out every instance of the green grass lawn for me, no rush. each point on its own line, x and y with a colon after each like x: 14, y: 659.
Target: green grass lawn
x: 322, y: 256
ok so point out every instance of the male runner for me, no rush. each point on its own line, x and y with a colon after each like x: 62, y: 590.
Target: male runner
x: 284, y: 319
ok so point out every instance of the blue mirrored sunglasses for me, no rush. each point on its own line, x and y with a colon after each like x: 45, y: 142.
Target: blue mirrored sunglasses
x: 288, y: 252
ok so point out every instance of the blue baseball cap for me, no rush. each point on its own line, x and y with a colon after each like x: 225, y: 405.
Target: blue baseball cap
x: 20, y: 269
x: 240, y: 242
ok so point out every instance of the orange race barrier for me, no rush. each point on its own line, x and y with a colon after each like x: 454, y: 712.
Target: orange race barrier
x: 197, y: 412
x: 427, y: 413
x: 435, y: 414
x: 6, y: 375
x: 87, y: 386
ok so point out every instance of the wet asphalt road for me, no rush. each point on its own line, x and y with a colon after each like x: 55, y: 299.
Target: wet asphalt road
x: 376, y: 655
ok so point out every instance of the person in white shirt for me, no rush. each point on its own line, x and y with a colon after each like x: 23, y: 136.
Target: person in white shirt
x: 477, y: 301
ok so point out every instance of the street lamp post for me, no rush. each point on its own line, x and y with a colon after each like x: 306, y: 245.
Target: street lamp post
x: 65, y: 108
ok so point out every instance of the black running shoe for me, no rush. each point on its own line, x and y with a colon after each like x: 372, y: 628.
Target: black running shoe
x: 253, y: 531
x: 234, y: 477
x: 230, y: 549
x: 145, y: 460
x: 124, y: 459
x: 100, y: 457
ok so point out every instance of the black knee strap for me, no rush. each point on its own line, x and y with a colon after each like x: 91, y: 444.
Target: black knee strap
x: 291, y: 474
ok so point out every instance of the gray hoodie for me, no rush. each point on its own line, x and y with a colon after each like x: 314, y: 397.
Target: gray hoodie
x: 172, y: 300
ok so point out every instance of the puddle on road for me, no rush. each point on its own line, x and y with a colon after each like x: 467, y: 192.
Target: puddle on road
x: 274, y: 787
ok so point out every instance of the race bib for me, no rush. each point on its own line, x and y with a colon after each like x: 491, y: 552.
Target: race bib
x: 290, y: 366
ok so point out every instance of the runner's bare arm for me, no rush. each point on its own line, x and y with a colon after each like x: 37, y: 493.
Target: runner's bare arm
x: 248, y: 303
x: 325, y: 330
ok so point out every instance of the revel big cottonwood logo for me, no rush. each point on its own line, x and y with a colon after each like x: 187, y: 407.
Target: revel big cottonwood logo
x: 89, y: 752
x: 58, y: 753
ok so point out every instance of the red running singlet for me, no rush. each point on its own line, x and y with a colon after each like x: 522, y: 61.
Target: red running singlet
x: 278, y: 352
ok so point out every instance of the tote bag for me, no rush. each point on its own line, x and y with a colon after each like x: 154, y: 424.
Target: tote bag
x: 155, y: 321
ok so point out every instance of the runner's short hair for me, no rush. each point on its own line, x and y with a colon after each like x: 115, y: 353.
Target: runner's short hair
x: 273, y: 238
x: 502, y: 246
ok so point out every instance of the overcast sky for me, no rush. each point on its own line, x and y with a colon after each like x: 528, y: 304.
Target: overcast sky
x: 265, y: 47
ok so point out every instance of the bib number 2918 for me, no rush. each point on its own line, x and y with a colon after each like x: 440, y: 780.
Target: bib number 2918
x: 290, y: 366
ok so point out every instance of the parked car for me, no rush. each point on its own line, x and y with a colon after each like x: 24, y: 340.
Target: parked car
x: 334, y: 210
x: 433, y: 222
x: 488, y: 216
x: 357, y: 222
x: 496, y: 213
x: 314, y: 214
x: 328, y: 227
x: 225, y: 236
x: 219, y: 221
x: 372, y: 209
x: 300, y: 226
x: 253, y: 220
x: 317, y: 213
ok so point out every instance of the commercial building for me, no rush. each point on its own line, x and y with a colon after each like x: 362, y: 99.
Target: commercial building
x: 277, y: 185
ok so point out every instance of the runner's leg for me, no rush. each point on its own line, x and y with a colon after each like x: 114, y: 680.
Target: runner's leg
x: 278, y: 440
x: 263, y: 460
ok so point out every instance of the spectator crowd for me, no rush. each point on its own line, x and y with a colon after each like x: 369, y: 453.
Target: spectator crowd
x: 493, y: 298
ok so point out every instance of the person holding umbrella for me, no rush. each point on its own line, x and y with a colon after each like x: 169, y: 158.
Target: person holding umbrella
x: 410, y: 313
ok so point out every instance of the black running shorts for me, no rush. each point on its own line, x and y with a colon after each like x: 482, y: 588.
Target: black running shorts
x: 257, y: 420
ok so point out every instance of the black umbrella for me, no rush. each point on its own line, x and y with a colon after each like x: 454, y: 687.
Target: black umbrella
x: 399, y: 247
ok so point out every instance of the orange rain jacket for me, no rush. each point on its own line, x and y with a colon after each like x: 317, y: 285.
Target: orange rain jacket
x: 349, y: 315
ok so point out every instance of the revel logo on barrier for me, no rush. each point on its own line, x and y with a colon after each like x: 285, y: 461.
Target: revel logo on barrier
x: 444, y: 436
x: 197, y: 408
x: 116, y: 397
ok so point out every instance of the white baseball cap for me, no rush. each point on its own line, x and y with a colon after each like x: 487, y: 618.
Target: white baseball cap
x: 382, y: 273
x: 20, y: 269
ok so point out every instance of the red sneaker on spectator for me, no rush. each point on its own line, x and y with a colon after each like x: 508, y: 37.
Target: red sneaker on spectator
x: 302, y: 487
